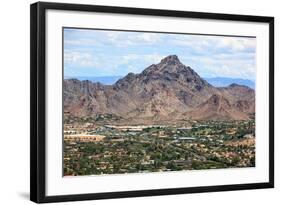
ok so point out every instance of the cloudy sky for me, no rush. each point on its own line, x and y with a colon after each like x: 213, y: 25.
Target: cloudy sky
x: 116, y: 53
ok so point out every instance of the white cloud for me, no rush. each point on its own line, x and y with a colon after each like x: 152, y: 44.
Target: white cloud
x: 122, y: 39
x: 202, y: 43
x: 194, y: 42
x: 237, y: 44
x: 147, y: 38
x: 80, y: 58
x: 147, y: 58
x: 80, y: 42
x: 153, y: 58
x: 223, y: 67
x: 126, y: 59
x: 113, y: 36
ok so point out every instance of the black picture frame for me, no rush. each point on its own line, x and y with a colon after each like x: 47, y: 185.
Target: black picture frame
x: 38, y: 101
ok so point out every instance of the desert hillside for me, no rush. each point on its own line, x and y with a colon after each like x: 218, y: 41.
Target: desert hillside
x: 167, y: 91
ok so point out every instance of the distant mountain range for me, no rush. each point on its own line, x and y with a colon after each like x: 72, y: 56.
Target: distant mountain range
x: 222, y: 82
x: 216, y: 81
x: 106, y: 80
x: 163, y: 92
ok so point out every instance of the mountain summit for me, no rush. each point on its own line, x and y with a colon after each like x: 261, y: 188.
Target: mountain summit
x: 171, y: 60
x: 169, y: 64
x: 170, y: 71
x: 166, y: 91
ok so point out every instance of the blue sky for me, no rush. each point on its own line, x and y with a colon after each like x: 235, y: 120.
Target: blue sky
x: 116, y: 53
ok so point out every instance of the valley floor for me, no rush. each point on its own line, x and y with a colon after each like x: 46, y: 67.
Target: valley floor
x: 95, y: 149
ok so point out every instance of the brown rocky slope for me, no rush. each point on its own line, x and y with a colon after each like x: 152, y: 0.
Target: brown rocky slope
x: 165, y: 91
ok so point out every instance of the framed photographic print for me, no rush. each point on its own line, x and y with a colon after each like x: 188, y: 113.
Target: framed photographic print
x: 129, y: 102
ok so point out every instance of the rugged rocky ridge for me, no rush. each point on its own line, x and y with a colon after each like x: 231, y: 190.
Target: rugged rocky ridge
x: 217, y: 107
x: 165, y: 91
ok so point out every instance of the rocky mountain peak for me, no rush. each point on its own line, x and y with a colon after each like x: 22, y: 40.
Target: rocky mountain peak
x: 170, y: 60
x: 168, y: 71
x: 162, y: 89
x: 168, y: 65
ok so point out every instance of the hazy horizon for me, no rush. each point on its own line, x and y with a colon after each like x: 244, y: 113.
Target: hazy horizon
x: 215, y: 81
